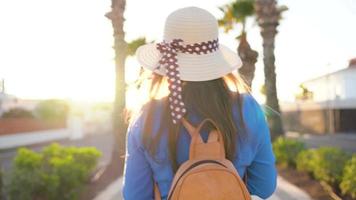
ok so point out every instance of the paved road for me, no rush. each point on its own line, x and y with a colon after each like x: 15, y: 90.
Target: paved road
x: 345, y: 141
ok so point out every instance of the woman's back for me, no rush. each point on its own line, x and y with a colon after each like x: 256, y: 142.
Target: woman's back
x: 253, y: 152
x: 199, y: 74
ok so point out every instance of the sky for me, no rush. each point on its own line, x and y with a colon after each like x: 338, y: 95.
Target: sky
x: 63, y: 49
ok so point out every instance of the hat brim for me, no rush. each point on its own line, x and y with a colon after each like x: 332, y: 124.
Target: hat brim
x: 192, y: 67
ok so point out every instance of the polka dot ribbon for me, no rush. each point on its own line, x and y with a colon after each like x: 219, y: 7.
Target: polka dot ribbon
x: 169, y: 60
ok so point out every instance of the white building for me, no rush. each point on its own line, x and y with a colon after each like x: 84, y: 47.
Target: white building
x: 338, y: 87
x: 330, y: 105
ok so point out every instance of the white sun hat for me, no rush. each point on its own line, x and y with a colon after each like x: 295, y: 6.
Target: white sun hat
x: 192, y: 34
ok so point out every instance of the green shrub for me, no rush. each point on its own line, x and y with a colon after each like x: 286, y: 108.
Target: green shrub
x: 348, y: 181
x: 1, y: 184
x: 328, y: 164
x: 304, y: 160
x: 56, y: 173
x: 17, y: 113
x: 286, y: 150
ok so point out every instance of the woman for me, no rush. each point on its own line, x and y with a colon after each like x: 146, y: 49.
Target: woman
x: 201, y: 83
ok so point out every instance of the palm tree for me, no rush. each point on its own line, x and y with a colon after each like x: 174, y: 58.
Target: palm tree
x: 237, y: 12
x: 122, y: 50
x: 268, y: 16
x: 116, y: 15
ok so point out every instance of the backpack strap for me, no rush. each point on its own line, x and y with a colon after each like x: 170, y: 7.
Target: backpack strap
x: 245, y: 177
x: 213, y: 136
x: 190, y: 128
x: 213, y: 149
x: 157, y: 194
x: 193, y: 130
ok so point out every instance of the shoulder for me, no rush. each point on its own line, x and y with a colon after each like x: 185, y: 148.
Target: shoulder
x: 150, y: 111
x: 254, y: 118
x: 251, y: 108
x: 252, y: 111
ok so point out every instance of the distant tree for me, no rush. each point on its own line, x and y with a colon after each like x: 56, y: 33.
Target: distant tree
x: 237, y: 12
x: 17, y: 113
x: 263, y: 89
x: 268, y: 16
x: 304, y: 93
x: 52, y: 110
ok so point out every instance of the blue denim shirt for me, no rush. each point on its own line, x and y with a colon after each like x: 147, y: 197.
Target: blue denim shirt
x: 253, y: 153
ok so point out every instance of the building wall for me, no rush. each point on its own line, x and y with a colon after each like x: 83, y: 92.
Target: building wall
x: 21, y: 125
x: 347, y: 119
x: 320, y: 121
x: 332, y: 108
x: 311, y: 121
x: 338, y: 85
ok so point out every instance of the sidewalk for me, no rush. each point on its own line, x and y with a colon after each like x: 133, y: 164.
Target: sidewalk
x: 284, y: 191
x: 35, y: 137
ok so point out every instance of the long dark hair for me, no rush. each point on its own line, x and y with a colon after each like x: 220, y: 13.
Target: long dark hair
x: 210, y: 99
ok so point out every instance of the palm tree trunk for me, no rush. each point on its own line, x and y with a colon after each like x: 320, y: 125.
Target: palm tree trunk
x: 249, y: 58
x: 268, y: 16
x: 117, y: 19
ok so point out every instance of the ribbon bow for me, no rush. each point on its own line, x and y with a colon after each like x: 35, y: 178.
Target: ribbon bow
x: 169, y: 61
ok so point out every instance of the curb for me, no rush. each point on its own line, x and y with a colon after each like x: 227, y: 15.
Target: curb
x: 30, y: 138
x: 112, y: 192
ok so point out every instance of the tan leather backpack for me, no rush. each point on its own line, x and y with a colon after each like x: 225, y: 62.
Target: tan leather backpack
x: 207, y: 175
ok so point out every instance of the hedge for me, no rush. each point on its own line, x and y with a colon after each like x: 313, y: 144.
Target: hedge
x: 348, y: 181
x: 327, y: 164
x: 286, y: 150
x: 56, y: 173
x: 304, y: 160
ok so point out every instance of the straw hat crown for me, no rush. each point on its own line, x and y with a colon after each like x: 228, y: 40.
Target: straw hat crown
x: 192, y: 25
x: 197, y: 30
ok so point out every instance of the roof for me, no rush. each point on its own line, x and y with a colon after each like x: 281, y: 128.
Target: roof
x: 352, y: 63
x: 349, y: 68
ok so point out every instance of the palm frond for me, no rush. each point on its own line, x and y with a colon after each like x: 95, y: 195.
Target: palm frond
x: 236, y: 12
x: 134, y: 45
